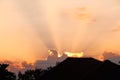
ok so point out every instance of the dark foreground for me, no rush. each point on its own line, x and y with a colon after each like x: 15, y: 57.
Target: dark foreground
x: 84, y: 69
x: 69, y: 69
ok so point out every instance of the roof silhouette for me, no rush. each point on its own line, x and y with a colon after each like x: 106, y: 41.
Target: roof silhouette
x: 84, y: 69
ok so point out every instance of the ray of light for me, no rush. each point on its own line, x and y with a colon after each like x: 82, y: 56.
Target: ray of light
x: 33, y: 14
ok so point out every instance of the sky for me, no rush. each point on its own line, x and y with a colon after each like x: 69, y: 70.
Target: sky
x: 29, y: 28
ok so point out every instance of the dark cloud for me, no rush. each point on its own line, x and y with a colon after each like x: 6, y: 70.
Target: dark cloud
x: 114, y: 57
x: 51, y: 60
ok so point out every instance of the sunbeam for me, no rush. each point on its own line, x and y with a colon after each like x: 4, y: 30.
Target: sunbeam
x: 31, y: 28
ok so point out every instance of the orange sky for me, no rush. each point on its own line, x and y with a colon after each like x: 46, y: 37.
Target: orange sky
x: 29, y: 28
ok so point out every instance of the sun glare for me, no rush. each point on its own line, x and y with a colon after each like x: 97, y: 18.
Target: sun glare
x: 59, y: 55
x: 69, y: 54
x: 50, y: 52
x: 54, y: 52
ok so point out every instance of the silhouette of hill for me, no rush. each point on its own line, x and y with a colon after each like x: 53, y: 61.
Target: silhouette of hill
x: 83, y: 69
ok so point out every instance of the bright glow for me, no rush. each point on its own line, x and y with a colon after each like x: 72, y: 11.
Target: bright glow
x: 53, y: 52
x: 50, y: 52
x: 101, y: 58
x: 59, y: 55
x: 69, y: 54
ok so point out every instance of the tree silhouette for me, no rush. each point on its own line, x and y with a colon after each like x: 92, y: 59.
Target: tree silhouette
x: 5, y: 74
x: 38, y: 73
x: 31, y: 74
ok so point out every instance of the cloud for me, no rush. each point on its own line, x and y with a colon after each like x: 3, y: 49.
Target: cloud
x: 18, y: 66
x: 114, y: 57
x: 52, y: 59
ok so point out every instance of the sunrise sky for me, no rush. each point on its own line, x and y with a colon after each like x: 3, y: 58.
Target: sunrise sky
x: 29, y: 28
